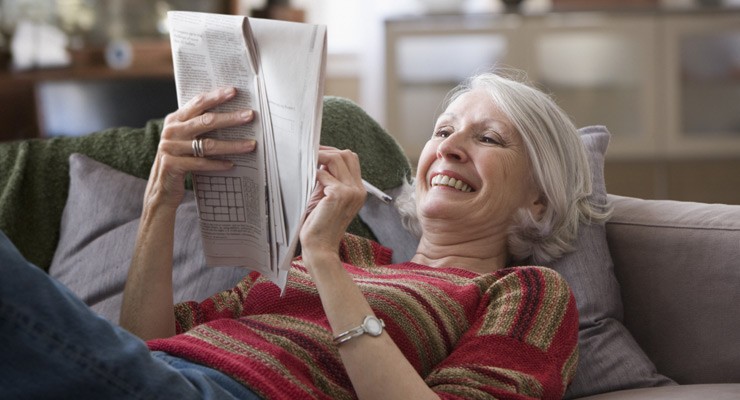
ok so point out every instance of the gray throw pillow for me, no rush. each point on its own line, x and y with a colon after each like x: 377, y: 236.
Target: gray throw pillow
x: 610, y: 359
x: 384, y: 221
x: 97, y: 236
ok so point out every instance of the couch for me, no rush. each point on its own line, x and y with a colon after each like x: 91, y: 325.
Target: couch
x: 657, y: 287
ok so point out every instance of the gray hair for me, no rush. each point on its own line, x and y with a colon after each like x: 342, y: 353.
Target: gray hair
x: 560, y: 170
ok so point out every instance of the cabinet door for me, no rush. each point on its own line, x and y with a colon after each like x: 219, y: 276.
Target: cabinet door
x: 702, y: 81
x: 601, y: 70
x: 427, y: 57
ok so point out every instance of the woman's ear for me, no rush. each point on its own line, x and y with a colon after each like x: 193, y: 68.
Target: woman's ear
x: 538, y: 206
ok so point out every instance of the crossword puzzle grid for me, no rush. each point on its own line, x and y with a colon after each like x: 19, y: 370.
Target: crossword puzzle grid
x: 219, y: 198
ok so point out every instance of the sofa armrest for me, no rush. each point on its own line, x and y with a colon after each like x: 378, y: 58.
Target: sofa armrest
x: 678, y: 265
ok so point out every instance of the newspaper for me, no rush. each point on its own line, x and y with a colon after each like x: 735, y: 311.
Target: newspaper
x: 251, y: 215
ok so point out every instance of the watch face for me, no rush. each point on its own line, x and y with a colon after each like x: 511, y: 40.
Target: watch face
x: 373, y: 326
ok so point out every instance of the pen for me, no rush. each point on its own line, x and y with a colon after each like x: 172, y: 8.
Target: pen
x: 377, y: 192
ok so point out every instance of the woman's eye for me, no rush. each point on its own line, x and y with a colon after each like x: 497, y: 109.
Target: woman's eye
x: 443, y: 133
x: 489, y: 140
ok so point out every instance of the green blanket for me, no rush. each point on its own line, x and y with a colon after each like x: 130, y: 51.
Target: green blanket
x: 34, y: 174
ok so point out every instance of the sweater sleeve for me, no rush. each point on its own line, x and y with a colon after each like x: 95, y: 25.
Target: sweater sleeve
x: 522, y: 345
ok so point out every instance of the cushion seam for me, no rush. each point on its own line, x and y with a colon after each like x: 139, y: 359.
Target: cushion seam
x: 669, y: 226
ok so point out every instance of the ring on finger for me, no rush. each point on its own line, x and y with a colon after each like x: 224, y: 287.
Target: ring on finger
x: 197, y: 145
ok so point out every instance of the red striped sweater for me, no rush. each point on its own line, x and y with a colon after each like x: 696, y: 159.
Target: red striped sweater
x: 507, y: 335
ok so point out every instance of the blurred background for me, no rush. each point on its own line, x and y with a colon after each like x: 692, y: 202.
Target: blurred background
x: 662, y: 75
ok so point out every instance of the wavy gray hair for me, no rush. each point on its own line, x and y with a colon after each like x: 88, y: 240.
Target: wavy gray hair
x: 559, y: 167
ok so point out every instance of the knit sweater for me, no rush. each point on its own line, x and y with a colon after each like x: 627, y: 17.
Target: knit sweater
x: 511, y: 334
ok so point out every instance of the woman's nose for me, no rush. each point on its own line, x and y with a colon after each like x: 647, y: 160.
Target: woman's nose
x: 452, y: 148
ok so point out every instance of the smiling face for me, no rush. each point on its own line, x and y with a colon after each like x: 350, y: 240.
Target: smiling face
x: 474, y: 171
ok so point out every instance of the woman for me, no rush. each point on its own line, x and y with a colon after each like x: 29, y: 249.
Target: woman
x: 502, y: 180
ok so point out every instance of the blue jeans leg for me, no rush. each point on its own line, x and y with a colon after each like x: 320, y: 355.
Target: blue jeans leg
x: 53, y: 347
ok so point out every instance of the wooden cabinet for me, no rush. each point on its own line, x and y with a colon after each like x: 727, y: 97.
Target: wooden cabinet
x: 700, y: 78
x: 665, y: 83
x: 601, y: 68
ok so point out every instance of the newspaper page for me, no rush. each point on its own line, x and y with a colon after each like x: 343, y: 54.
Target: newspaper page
x: 293, y: 60
x: 251, y: 215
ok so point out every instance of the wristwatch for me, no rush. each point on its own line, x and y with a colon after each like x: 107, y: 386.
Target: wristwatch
x: 371, y: 325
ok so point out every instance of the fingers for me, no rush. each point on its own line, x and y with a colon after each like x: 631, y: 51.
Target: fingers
x: 196, y: 117
x: 209, y: 121
x: 344, y: 165
x: 203, y: 102
x: 177, y: 167
x: 338, y: 196
x: 181, y: 129
x: 210, y: 147
x: 339, y: 177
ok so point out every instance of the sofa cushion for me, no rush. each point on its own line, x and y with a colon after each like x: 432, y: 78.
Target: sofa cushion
x: 610, y: 359
x: 677, y: 263
x: 97, y: 235
x: 719, y: 391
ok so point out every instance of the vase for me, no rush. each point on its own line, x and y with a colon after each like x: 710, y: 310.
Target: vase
x: 512, y: 5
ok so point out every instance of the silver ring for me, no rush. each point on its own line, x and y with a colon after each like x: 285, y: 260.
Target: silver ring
x: 198, y: 148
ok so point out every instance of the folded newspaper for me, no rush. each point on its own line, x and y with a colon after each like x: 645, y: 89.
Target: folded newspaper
x: 251, y: 215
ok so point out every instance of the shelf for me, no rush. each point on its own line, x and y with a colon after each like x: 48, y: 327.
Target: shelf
x: 28, y: 112
x: 86, y: 73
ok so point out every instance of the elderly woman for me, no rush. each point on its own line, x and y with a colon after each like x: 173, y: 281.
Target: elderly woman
x: 503, y: 181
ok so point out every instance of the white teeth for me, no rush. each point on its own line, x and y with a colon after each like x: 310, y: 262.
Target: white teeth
x: 444, y: 180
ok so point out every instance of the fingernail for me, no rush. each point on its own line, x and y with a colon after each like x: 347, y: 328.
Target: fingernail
x: 230, y: 91
x: 250, y: 144
x: 246, y: 114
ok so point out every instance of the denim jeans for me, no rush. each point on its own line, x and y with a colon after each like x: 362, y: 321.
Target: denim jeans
x: 52, y: 346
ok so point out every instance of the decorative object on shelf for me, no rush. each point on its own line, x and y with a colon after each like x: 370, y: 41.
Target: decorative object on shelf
x: 39, y: 45
x: 7, y: 26
x: 162, y: 8
x: 601, y: 4
x: 77, y: 18
x: 31, y: 35
x: 282, y: 10
x: 4, y: 51
x: 119, y: 54
x: 442, y: 6
x: 512, y: 5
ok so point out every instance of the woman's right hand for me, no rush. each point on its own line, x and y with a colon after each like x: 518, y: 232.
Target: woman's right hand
x: 147, y: 309
x: 175, y: 156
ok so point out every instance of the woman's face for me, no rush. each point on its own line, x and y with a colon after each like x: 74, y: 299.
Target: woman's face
x: 474, y: 170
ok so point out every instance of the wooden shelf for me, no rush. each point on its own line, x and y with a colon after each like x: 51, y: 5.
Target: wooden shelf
x: 19, y: 100
x: 85, y: 73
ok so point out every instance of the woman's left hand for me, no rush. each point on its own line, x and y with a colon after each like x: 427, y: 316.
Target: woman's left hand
x: 376, y: 367
x: 336, y: 200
